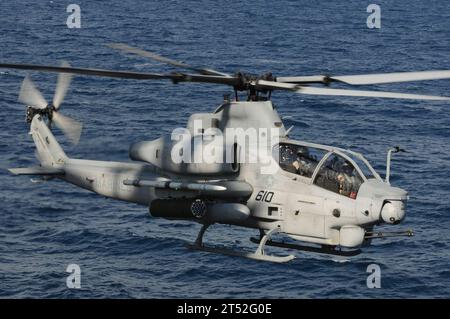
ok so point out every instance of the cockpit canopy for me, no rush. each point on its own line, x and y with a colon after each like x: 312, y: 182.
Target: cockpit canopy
x: 299, y: 159
x: 337, y: 170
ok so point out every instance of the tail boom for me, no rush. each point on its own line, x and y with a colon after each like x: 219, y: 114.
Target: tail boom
x: 48, y: 149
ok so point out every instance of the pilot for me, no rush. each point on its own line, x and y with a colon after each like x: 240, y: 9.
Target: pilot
x: 301, y: 165
x: 286, y: 156
x: 348, y: 182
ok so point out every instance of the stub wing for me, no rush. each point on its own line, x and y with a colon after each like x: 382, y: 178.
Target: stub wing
x: 217, y: 188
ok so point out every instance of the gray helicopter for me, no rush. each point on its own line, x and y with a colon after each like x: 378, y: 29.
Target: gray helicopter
x: 324, y: 199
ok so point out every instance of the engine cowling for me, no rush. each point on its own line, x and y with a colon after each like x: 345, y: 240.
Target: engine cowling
x: 174, y: 157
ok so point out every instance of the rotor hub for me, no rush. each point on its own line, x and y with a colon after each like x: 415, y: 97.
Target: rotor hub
x: 32, y: 111
x: 249, y: 83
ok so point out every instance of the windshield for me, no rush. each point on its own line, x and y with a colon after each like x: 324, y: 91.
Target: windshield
x: 338, y: 175
x: 363, y: 165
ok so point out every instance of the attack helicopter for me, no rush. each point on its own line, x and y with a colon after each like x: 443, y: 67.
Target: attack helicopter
x: 324, y: 199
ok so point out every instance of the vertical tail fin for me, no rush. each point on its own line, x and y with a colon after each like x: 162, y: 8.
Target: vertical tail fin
x: 48, y: 149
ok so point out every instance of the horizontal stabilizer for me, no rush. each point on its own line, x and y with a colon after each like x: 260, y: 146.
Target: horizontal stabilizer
x: 38, y: 170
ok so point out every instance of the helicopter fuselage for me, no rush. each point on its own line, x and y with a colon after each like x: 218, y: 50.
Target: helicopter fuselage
x: 312, y: 193
x: 236, y: 165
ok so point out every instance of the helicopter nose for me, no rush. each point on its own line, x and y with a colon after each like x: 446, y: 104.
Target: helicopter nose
x: 385, y: 202
x: 393, y: 211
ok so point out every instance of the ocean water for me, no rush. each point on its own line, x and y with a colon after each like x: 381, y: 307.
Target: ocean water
x: 125, y: 253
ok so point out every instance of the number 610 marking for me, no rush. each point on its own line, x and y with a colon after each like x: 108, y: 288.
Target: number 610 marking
x: 264, y: 196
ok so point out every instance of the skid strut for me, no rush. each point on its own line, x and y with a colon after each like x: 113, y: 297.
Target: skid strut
x: 259, y: 254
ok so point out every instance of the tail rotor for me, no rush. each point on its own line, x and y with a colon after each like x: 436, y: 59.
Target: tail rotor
x: 31, y: 96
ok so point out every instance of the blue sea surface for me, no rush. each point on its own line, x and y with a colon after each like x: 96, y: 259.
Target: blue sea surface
x: 125, y: 253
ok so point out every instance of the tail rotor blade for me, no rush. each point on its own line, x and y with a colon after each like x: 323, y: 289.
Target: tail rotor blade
x: 30, y: 95
x: 70, y: 127
x: 62, y: 86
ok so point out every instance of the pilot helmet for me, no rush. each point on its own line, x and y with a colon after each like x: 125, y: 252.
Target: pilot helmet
x: 301, y: 151
x: 347, y: 168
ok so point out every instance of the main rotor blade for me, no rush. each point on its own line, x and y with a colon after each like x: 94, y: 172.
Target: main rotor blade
x: 128, y: 49
x: 365, y: 79
x: 61, y: 86
x: 392, y: 77
x: 175, y: 77
x: 70, y: 127
x: 269, y: 85
x: 322, y: 79
x: 391, y: 95
x: 30, y: 95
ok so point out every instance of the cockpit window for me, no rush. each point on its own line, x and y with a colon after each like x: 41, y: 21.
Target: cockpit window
x: 298, y: 159
x: 340, y: 176
x: 362, y: 166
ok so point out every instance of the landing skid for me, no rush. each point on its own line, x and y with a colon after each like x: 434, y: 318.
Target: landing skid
x: 259, y: 254
x: 320, y: 250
